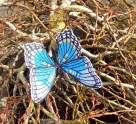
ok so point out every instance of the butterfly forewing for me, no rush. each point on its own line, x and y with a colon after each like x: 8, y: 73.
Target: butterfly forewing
x: 42, y: 70
x: 83, y: 71
x: 68, y: 46
x: 36, y: 56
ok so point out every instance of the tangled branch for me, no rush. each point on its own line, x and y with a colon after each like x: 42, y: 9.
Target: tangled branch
x: 107, y: 33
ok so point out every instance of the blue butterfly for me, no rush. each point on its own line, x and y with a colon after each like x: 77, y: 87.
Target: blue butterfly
x: 43, y: 68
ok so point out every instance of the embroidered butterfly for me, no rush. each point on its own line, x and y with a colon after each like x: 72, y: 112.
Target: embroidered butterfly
x: 43, y: 68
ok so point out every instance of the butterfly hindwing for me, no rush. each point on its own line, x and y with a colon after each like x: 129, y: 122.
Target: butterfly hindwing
x: 41, y: 80
x: 68, y: 46
x: 83, y: 71
x: 42, y: 70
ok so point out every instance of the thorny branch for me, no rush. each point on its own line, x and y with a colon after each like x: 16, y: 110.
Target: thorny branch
x: 107, y: 33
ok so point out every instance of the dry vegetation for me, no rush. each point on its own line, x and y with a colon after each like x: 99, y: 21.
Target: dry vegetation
x: 107, y: 33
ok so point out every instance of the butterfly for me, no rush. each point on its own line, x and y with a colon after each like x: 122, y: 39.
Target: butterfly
x: 43, y: 68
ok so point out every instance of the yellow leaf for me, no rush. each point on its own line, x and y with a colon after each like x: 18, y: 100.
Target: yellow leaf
x: 60, y: 25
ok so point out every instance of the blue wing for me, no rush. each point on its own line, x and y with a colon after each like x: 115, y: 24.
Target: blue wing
x: 83, y: 71
x: 42, y: 70
x: 70, y: 60
x: 36, y: 56
x: 68, y: 47
x: 41, y: 80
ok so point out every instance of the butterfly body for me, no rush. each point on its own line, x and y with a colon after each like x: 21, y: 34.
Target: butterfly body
x: 43, y: 68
